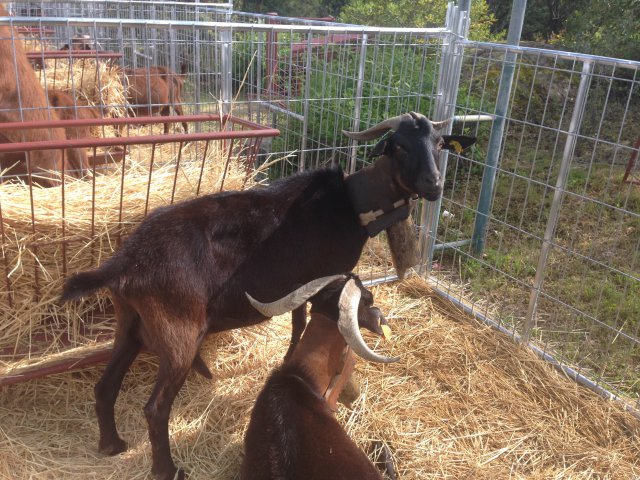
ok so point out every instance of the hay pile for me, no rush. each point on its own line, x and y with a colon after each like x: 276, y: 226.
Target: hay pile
x: 90, y: 82
x: 463, y: 402
x: 96, y: 215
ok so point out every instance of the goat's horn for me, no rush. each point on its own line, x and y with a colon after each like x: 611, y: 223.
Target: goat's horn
x: 379, y: 129
x: 440, y: 125
x: 348, y: 325
x: 294, y: 299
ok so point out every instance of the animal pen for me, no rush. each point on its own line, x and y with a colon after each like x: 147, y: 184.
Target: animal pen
x: 537, y: 234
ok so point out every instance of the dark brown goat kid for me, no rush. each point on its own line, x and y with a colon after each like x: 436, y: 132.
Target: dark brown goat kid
x: 22, y: 99
x: 183, y: 272
x: 156, y: 90
x: 293, y: 433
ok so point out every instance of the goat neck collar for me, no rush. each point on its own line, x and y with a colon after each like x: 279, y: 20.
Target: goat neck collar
x: 376, y: 198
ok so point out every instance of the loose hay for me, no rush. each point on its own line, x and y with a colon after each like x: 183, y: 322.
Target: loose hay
x: 463, y: 402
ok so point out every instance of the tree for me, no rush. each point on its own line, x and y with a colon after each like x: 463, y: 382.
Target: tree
x: 610, y: 28
x: 604, y: 27
x: 292, y: 8
x: 544, y: 19
x: 418, y: 13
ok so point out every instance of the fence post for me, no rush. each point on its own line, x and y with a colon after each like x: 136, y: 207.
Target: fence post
x: 226, y: 69
x: 497, y: 130
x: 457, y: 24
x: 558, y: 194
x: 305, y: 106
x: 353, y: 150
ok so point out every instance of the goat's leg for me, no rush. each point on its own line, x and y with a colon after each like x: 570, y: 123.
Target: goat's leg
x: 177, y: 349
x: 166, y: 112
x: 298, y: 323
x: 178, y: 109
x: 125, y: 349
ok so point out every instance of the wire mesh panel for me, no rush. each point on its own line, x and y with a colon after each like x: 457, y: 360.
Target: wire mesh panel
x: 315, y: 84
x: 123, y: 9
x: 547, y: 237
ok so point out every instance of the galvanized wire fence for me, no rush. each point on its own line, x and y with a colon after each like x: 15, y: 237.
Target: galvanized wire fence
x: 537, y: 232
x: 545, y: 230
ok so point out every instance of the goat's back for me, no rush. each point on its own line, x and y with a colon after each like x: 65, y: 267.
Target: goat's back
x: 152, y: 88
x: 214, y: 248
x: 294, y: 435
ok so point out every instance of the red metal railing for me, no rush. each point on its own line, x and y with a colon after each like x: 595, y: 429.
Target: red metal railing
x: 252, y: 130
x: 73, y: 54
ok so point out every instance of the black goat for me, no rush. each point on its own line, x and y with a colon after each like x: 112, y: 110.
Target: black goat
x: 293, y: 433
x: 183, y: 272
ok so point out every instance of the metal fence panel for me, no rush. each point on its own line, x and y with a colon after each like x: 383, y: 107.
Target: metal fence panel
x: 549, y: 246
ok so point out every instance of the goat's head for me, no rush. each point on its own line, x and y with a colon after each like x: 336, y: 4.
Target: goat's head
x: 340, y: 297
x: 414, y: 147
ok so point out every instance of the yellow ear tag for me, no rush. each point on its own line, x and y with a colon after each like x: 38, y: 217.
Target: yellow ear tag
x: 456, y: 146
x: 386, y: 331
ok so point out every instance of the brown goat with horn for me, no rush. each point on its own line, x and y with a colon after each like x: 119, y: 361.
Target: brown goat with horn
x: 293, y: 433
x: 183, y: 272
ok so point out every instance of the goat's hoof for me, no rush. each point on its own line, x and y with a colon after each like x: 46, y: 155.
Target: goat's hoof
x: 169, y: 474
x: 113, y: 447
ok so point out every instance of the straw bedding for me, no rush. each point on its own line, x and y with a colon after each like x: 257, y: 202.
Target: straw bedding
x: 463, y: 402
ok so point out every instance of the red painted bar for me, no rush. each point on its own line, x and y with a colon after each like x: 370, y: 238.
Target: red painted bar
x: 100, y: 356
x: 72, y: 54
x: 28, y: 30
x: 258, y: 131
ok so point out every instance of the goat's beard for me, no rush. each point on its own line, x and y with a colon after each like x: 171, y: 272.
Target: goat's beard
x: 403, y: 246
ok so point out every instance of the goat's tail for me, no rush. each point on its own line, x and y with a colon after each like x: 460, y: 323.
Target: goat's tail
x: 84, y: 284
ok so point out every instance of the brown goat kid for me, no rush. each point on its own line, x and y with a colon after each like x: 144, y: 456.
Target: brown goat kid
x: 156, y: 90
x: 293, y: 434
x: 22, y: 99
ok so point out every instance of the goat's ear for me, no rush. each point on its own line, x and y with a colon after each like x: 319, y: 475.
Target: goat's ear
x: 457, y: 143
x: 379, y: 148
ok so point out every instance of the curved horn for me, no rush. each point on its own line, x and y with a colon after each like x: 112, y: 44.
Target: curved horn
x: 294, y: 299
x: 348, y: 325
x: 440, y: 125
x: 379, y: 129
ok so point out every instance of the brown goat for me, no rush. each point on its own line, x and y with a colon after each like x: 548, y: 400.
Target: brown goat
x: 156, y: 90
x: 183, y: 272
x: 293, y: 433
x: 22, y: 99
x: 66, y: 108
